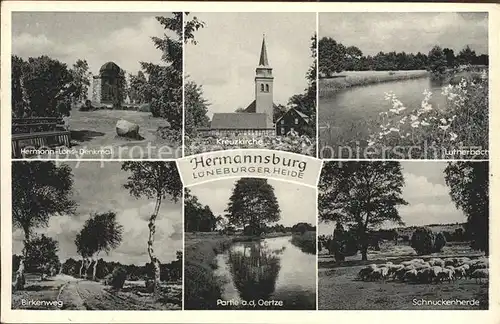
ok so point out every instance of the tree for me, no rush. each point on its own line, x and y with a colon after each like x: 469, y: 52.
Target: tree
x: 39, y: 190
x: 83, y: 249
x: 153, y: 180
x: 469, y: 190
x: 437, y: 61
x: 466, y: 56
x: 101, y: 232
x: 306, y: 102
x: 253, y: 203
x: 165, y: 81
x: 118, y: 96
x: 138, y: 84
x: 81, y: 80
x: 361, y: 195
x: 196, y: 108
x: 18, y: 96
x: 450, y: 57
x: 41, y: 255
x: 331, y: 56
x: 49, y: 87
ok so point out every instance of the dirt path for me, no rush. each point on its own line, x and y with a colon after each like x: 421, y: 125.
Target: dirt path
x: 91, y: 295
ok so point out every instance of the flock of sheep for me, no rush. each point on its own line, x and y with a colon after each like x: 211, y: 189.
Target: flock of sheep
x: 435, y: 270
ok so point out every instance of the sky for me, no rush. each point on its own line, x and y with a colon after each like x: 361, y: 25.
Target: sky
x: 99, y: 189
x: 410, y: 32
x: 124, y: 38
x: 227, y: 52
x: 427, y: 195
x: 216, y: 195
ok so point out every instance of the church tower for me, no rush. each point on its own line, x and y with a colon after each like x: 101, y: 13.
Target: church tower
x: 264, y: 86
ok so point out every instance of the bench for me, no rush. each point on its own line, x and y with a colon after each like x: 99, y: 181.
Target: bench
x: 39, y: 139
x: 38, y: 132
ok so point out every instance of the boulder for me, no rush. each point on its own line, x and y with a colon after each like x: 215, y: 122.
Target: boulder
x: 127, y: 129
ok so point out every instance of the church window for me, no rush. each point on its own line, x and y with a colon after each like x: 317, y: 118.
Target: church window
x: 296, y: 121
x: 282, y: 121
x: 282, y: 130
x: 261, y: 87
x: 267, y: 87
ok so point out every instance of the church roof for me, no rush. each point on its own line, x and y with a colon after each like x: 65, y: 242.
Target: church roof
x: 251, y: 108
x: 263, y: 61
x: 239, y: 121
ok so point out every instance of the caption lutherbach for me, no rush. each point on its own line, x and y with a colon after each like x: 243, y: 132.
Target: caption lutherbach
x: 264, y: 165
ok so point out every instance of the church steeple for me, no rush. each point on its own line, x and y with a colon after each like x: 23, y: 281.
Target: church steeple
x: 264, y: 86
x: 263, y: 53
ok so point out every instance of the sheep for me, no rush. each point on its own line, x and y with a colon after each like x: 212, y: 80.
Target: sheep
x: 425, y: 275
x: 437, y: 262
x: 422, y: 265
x: 364, y: 273
x: 449, y: 261
x: 410, y: 276
x: 445, y: 274
x: 417, y: 261
x: 394, y: 269
x: 461, y: 272
x: 480, y: 274
x: 406, y: 263
x: 376, y: 274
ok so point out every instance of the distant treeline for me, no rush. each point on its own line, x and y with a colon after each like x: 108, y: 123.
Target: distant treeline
x: 168, y: 271
x: 335, y: 57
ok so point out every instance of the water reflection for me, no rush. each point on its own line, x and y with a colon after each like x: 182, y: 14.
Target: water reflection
x: 255, y: 270
x: 268, y: 270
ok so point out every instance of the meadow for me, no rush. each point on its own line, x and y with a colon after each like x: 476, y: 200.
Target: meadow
x: 347, y: 79
x: 339, y: 288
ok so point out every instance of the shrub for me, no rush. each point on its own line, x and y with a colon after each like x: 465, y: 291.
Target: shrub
x: 344, y: 243
x: 463, y: 122
x: 292, y: 142
x: 201, y: 290
x: 424, y: 241
x: 118, y: 278
x: 439, y: 242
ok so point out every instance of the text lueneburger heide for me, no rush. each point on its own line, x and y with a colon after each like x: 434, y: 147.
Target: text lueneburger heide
x: 264, y: 165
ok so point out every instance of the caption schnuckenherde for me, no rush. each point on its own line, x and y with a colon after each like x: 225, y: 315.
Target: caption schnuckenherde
x: 260, y: 164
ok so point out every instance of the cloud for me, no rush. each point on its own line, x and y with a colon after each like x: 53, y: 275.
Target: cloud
x: 427, y: 195
x: 216, y: 195
x: 100, y: 189
x: 126, y: 46
x: 375, y: 32
x: 227, y: 52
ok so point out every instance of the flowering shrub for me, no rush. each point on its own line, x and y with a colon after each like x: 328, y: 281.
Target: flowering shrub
x: 292, y: 142
x: 461, y: 125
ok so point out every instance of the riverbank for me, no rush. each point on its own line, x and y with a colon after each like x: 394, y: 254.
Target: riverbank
x: 202, y: 287
x: 349, y: 79
x: 306, y: 242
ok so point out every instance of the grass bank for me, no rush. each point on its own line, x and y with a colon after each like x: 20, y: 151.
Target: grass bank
x: 350, y: 79
x: 306, y: 242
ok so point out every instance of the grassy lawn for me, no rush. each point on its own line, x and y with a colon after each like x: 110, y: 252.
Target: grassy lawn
x: 338, y: 287
x: 95, y: 131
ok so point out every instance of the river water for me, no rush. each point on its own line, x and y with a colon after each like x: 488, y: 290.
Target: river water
x: 349, y: 111
x: 268, y: 270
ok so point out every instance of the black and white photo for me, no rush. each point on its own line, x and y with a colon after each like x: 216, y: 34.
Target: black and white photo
x: 250, y: 244
x: 91, y: 235
x: 403, y: 85
x: 96, y: 85
x: 250, y: 82
x: 403, y: 235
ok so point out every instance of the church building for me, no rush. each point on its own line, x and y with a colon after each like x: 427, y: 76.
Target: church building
x: 257, y: 118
